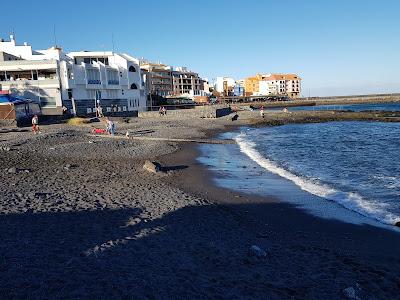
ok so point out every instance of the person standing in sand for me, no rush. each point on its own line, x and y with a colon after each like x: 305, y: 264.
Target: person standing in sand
x: 262, y: 111
x: 99, y: 111
x: 35, y: 124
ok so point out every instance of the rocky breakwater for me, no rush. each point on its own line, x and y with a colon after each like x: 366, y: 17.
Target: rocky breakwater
x: 281, y: 118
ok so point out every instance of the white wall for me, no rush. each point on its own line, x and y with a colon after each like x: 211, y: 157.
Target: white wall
x: 219, y: 83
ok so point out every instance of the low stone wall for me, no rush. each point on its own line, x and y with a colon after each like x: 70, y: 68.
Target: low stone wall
x: 7, y: 122
x: 215, y: 111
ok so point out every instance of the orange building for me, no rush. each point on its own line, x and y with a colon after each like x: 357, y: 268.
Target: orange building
x: 273, y: 84
x: 251, y: 85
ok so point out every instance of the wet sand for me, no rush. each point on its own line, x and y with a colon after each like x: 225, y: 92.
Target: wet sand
x: 80, y: 218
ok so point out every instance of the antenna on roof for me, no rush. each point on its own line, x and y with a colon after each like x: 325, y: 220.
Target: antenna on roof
x: 112, y: 41
x: 13, y: 33
x: 55, y: 36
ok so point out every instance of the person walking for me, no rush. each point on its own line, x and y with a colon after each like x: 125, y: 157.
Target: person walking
x: 110, y: 126
x: 35, y: 124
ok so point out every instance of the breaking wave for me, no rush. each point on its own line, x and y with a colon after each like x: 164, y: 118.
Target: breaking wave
x: 350, y: 200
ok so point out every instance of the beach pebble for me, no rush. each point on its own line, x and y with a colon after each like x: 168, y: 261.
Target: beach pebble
x: 257, y: 251
x: 13, y: 170
x: 350, y: 293
x: 6, y: 149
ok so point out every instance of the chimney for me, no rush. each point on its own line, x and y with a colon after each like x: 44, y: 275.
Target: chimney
x: 11, y: 37
x: 25, y: 44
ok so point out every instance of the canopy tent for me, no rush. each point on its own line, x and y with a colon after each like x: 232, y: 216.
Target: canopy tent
x: 17, y: 108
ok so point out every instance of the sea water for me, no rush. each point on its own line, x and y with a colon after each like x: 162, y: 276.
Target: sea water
x: 395, y: 106
x: 331, y: 169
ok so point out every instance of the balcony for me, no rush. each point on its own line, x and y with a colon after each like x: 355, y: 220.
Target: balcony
x: 46, y: 83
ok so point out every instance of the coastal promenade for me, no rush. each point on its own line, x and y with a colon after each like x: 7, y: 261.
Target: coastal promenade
x: 80, y: 217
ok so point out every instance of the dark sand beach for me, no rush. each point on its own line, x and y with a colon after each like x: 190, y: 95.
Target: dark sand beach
x: 81, y: 218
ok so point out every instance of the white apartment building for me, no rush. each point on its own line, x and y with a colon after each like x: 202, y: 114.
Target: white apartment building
x: 113, y: 80
x: 224, y: 84
x: 77, y: 80
x: 267, y: 88
x: 277, y: 84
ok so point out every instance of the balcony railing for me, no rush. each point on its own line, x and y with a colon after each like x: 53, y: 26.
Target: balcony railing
x: 113, y: 82
x: 94, y: 81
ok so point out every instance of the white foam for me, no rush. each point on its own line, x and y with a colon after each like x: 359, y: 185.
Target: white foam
x: 352, y: 201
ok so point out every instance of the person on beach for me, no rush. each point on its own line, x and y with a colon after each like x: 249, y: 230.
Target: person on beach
x: 99, y: 111
x: 164, y: 111
x: 262, y: 111
x: 160, y: 111
x: 110, y: 126
x: 35, y: 124
x: 285, y: 110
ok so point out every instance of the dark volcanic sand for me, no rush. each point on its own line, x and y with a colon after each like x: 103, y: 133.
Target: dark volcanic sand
x: 87, y: 221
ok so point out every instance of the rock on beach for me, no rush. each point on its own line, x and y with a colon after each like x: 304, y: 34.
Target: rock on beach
x: 152, y: 167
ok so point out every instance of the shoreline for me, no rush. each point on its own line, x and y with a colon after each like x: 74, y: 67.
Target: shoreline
x: 287, y: 224
x: 187, y: 155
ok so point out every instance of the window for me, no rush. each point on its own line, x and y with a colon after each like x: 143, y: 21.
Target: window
x: 48, y: 102
x: 93, y: 76
x: 112, y: 76
x: 133, y: 86
x: 132, y: 69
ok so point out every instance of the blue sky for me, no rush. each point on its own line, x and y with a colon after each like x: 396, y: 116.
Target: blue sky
x: 337, y: 47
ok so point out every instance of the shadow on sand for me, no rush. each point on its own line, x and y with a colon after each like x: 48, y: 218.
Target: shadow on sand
x: 172, y: 168
x: 193, y: 252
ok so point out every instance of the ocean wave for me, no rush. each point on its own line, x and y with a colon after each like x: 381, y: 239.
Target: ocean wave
x: 389, y: 182
x: 350, y: 200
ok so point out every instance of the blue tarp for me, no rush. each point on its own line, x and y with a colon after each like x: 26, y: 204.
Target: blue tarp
x: 11, y: 99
